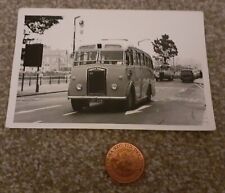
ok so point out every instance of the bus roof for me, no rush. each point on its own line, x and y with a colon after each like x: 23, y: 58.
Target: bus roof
x: 104, y: 46
x: 109, y: 45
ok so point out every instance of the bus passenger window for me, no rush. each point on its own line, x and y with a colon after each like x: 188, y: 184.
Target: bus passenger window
x: 147, y: 61
x: 127, y: 58
x: 134, y: 57
x: 138, y: 59
x: 131, y: 58
x: 151, y: 64
x: 142, y: 60
x: 143, y: 57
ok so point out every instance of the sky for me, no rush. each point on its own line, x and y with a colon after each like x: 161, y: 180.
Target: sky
x: 185, y: 28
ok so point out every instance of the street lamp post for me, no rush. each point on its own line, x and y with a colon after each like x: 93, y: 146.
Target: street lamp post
x: 74, y: 34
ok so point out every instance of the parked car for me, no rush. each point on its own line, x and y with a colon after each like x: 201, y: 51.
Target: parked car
x: 189, y: 75
x: 164, y: 72
x: 177, y: 74
x: 156, y: 74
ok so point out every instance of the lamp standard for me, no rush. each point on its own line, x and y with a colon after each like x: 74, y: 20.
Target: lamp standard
x: 74, y: 34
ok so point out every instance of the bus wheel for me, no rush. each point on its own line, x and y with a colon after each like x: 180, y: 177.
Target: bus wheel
x: 130, y: 101
x: 149, y: 94
x: 77, y: 105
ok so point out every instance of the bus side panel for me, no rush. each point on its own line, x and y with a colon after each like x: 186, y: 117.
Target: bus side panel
x: 152, y: 82
x: 136, y: 79
x: 148, y: 79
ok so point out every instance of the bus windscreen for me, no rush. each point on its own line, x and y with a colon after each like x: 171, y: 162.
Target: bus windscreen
x: 83, y: 58
x: 111, y: 57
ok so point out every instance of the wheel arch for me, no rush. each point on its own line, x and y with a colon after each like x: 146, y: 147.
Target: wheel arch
x: 149, y: 88
x: 131, y: 88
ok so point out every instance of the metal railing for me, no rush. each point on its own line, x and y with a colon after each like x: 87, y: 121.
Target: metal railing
x: 43, y: 80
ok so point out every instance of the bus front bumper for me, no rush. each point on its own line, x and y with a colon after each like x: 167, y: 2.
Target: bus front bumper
x: 98, y: 97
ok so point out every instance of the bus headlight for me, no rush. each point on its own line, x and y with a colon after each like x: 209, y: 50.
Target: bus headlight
x: 114, y: 86
x: 79, y: 87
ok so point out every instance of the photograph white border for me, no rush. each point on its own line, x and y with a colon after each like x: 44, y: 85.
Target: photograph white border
x: 15, y: 74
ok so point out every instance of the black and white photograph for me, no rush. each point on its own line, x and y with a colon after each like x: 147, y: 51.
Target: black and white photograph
x: 110, y: 69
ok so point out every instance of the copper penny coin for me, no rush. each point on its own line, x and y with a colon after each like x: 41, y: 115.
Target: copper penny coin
x: 124, y: 163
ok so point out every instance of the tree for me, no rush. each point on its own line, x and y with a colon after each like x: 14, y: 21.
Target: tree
x: 165, y: 48
x: 38, y: 24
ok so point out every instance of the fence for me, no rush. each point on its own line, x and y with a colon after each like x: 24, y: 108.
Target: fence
x: 31, y: 80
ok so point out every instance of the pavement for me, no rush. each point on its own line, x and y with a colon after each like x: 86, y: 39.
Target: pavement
x: 43, y: 89
x: 175, y: 103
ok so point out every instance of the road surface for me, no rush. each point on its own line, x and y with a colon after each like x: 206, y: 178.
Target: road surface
x: 175, y: 103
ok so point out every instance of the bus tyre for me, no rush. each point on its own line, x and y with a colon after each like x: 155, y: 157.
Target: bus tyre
x: 130, y: 101
x: 149, y: 94
x: 77, y: 105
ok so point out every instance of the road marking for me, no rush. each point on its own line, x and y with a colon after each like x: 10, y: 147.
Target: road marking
x: 71, y: 113
x: 169, y: 87
x: 38, y: 109
x: 155, y: 99
x: 182, y: 90
x: 199, y: 85
x: 38, y: 121
x: 139, y: 110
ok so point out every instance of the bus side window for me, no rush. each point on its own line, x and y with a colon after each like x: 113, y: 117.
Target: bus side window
x: 143, y: 59
x: 138, y: 59
x: 146, y: 61
x: 134, y: 57
x: 131, y: 57
x: 127, y: 58
x: 151, y: 64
